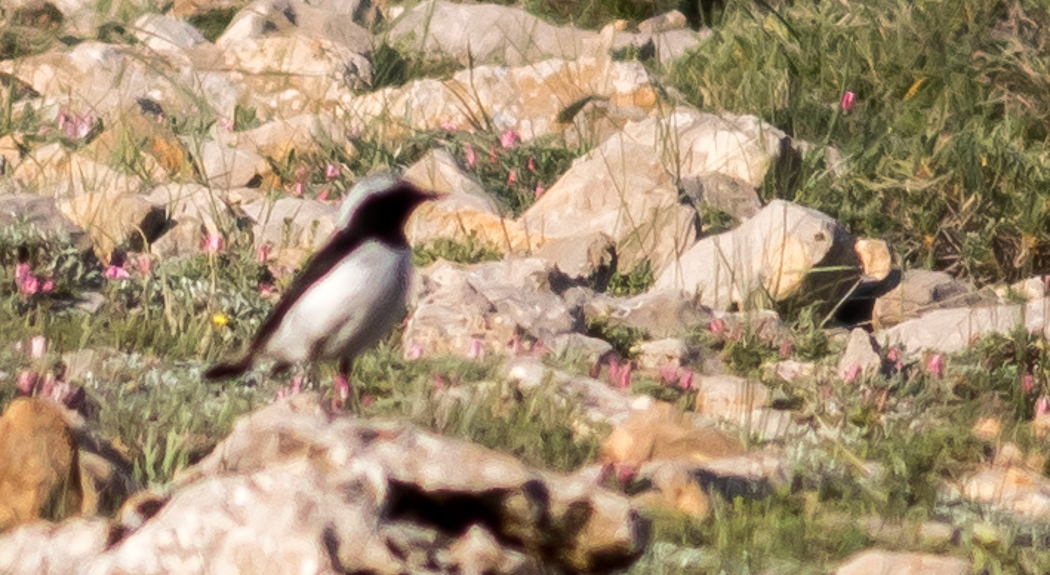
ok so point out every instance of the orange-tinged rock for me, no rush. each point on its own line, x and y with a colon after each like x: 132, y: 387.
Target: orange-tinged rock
x: 39, y: 467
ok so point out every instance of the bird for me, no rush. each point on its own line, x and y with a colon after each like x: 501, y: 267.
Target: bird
x: 350, y: 293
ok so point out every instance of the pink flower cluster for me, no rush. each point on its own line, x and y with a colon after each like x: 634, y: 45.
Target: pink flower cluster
x: 28, y: 283
x: 673, y: 375
x: 76, y: 126
x: 32, y: 383
x: 620, y: 372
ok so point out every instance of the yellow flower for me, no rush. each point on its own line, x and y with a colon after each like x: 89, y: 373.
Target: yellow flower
x: 219, y: 319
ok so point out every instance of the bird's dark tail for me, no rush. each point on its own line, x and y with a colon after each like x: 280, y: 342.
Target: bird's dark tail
x: 228, y: 370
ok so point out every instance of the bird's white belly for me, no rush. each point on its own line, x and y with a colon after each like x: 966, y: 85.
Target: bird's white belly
x: 348, y: 310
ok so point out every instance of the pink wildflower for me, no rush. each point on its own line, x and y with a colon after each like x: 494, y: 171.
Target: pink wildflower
x: 514, y: 345
x: 509, y: 138
x: 1027, y: 382
x: 267, y: 290
x: 1042, y: 406
x: 29, y: 286
x: 22, y: 272
x: 323, y: 195
x: 26, y: 382
x: 297, y: 189
x: 342, y: 391
x: 668, y: 374
x: 786, y: 348
x: 540, y: 191
x: 331, y: 171
x: 512, y: 178
x: 37, y: 347
x: 439, y: 382
x: 263, y: 253
x: 894, y: 357
x: 214, y: 243
x: 532, y: 164
x: 415, y: 351
x: 476, y: 350
x: 852, y: 373
x: 717, y: 326
x: 448, y: 126
x: 935, y: 365
x: 115, y: 272
x: 47, y: 287
x: 685, y: 382
x: 367, y: 400
x: 848, y: 99
x: 472, y: 156
x: 620, y: 373
x: 493, y: 156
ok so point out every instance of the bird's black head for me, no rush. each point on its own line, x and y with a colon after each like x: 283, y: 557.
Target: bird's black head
x: 383, y: 213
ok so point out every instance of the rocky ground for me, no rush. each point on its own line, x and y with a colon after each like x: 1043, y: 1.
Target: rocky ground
x: 622, y: 353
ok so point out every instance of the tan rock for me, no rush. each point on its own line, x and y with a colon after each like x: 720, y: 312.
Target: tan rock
x: 922, y: 291
x: 987, y: 428
x: 114, y: 219
x: 879, y: 562
x: 664, y: 433
x: 39, y: 469
x: 875, y: 258
x: 55, y: 171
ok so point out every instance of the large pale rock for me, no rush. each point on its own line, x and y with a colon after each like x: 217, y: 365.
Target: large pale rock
x: 39, y: 469
x: 53, y: 549
x: 589, y: 257
x: 487, y: 34
x: 55, y: 171
x: 114, y: 219
x: 291, y: 222
x: 621, y: 189
x: 922, y: 291
x: 306, y: 134
x: 465, y: 214
x: 491, y: 303
x: 191, y: 201
x: 270, y: 18
x: 104, y: 79
x: 527, y: 100
x: 729, y: 396
x: 662, y: 433
x: 229, y: 167
x: 879, y: 562
x: 165, y: 33
x: 1012, y: 489
x: 785, y: 252
x: 42, y: 215
x: 952, y: 330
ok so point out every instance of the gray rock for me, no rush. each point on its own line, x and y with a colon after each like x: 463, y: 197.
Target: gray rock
x: 191, y: 201
x: 42, y: 215
x: 291, y: 222
x: 922, y: 291
x: 659, y: 313
x: 163, y: 32
x: 725, y: 193
x: 590, y: 257
x: 860, y: 357
x: 226, y: 167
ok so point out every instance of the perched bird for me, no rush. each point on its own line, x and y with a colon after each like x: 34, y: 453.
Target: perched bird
x: 350, y: 293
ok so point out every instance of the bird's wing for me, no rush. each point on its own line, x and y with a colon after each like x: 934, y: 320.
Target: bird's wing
x: 341, y: 244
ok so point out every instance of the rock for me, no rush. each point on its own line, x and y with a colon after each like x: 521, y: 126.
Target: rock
x: 291, y: 222
x: 225, y: 167
x: 621, y: 189
x: 784, y: 252
x: 724, y: 193
x: 527, y: 100
x: 672, y: 486
x: 184, y: 239
x: 39, y: 469
x: 987, y: 428
x: 589, y: 349
x: 306, y: 134
x: 658, y: 313
x: 290, y: 474
x: 921, y: 291
x: 1032, y: 288
x: 139, y: 137
x: 274, y: 18
x: 880, y: 562
x: 114, y: 220
x: 165, y: 33
x: 294, y: 74
x: 662, y: 433
x: 42, y: 214
x: 597, y: 401
x: 673, y: 20
x: 590, y: 257
x: 53, y: 549
x: 661, y: 353
x: 728, y: 395
x: 467, y: 214
x: 496, y: 34
x: 56, y: 172
x: 1011, y: 489
x: 875, y: 258
x: 952, y: 330
x: 791, y: 370
x: 190, y: 201
x: 493, y: 303
x: 861, y: 356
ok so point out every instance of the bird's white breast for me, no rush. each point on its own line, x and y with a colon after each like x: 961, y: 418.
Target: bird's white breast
x: 347, y: 310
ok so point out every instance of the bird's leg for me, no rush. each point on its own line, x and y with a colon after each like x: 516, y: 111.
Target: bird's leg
x: 343, y: 390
